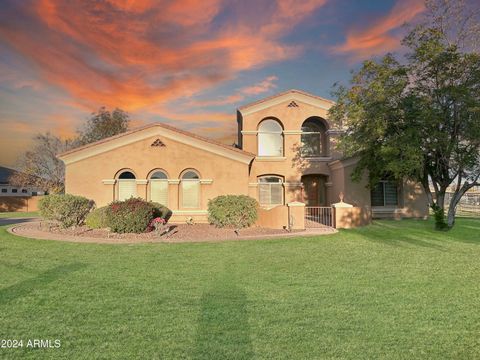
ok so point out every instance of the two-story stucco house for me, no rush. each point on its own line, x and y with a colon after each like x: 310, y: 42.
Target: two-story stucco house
x: 286, y: 153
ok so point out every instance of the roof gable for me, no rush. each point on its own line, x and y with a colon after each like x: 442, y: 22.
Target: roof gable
x: 151, y: 130
x: 290, y: 96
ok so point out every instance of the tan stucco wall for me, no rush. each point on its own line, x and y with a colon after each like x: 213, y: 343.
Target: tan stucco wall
x: 274, y: 218
x: 19, y: 203
x: 415, y: 203
x: 347, y: 218
x: 85, y: 177
x: 291, y: 166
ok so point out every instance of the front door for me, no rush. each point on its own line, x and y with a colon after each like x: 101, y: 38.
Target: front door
x: 314, y: 190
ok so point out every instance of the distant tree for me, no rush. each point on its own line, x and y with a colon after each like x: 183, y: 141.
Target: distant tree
x: 420, y: 118
x: 103, y: 124
x: 40, y: 167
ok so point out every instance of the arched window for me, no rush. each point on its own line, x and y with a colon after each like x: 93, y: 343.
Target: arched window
x: 270, y: 138
x: 314, y: 142
x: 190, y: 187
x: 159, y: 187
x: 127, y: 185
x: 270, y: 190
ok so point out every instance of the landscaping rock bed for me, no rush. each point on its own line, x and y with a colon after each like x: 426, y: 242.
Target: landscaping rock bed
x: 177, y: 233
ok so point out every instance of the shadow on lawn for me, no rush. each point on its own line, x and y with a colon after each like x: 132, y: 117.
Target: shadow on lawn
x: 389, y: 234
x: 223, y: 331
x: 13, y: 221
x: 23, y: 288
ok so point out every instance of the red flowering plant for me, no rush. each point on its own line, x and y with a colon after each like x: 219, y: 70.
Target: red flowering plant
x: 158, y: 225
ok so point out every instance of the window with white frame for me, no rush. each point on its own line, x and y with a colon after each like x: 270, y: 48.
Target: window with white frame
x: 190, y: 187
x: 270, y: 190
x: 159, y: 188
x: 384, y: 193
x: 127, y: 186
x: 270, y: 138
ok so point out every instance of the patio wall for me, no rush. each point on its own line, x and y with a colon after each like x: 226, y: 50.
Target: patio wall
x: 19, y: 203
x: 351, y: 217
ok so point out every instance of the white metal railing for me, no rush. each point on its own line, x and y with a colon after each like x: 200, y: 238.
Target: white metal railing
x: 318, y: 216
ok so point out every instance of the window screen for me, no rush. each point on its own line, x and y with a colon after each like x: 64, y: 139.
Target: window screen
x: 385, y: 193
x: 127, y: 189
x: 159, y: 191
x: 270, y: 190
x: 190, y: 194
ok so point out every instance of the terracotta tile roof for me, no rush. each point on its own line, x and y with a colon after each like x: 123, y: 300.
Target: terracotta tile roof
x: 168, y: 127
x: 284, y: 93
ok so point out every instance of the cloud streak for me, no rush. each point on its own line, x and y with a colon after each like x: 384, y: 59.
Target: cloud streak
x: 378, y: 37
x: 261, y: 87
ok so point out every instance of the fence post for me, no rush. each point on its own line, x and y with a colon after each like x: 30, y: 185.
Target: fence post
x: 296, y: 215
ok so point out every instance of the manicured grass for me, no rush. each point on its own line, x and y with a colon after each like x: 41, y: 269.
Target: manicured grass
x: 18, y: 214
x: 393, y: 290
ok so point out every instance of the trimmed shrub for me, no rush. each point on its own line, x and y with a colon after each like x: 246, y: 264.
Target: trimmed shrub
x: 236, y: 211
x: 68, y: 210
x: 97, y: 219
x: 133, y: 215
x: 162, y: 211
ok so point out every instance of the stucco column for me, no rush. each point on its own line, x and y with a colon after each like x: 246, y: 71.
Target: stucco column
x: 173, y: 193
x: 328, y: 192
x: 110, y: 188
x: 142, y: 188
x: 296, y: 215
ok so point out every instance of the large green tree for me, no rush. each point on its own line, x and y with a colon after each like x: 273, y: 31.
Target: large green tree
x: 419, y: 118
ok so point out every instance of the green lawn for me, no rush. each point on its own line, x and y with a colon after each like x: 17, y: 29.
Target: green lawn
x: 393, y: 290
x: 18, y: 214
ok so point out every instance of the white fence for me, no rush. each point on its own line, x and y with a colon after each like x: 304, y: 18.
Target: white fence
x: 318, y: 216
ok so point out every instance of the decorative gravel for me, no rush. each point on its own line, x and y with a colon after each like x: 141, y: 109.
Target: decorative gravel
x: 176, y: 233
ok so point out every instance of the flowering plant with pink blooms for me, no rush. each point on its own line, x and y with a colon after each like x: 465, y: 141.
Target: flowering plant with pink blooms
x: 157, y: 224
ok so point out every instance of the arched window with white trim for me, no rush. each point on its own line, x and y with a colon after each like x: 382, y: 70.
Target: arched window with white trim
x: 159, y: 187
x: 270, y: 190
x: 127, y: 186
x: 190, y: 188
x: 270, y: 138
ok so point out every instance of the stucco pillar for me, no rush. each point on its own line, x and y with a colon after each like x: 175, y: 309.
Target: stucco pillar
x: 142, y: 188
x: 346, y: 216
x: 296, y: 215
x: 328, y: 192
x: 173, y: 193
x: 110, y: 188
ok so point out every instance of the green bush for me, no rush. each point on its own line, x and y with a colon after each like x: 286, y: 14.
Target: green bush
x: 97, y: 219
x: 162, y: 211
x: 439, y: 216
x: 237, y: 211
x: 133, y: 215
x: 68, y: 210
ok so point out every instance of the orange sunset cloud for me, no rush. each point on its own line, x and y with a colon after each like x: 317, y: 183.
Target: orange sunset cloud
x: 135, y: 53
x: 376, y: 38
